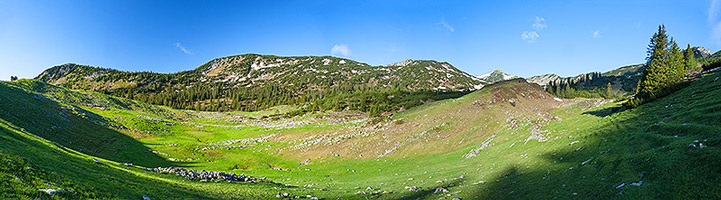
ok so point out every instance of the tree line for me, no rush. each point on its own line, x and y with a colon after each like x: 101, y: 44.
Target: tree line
x: 222, y: 97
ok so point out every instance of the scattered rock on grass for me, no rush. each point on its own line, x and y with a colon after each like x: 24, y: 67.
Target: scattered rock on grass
x: 697, y: 143
x: 412, y: 189
x: 48, y: 191
x: 279, y: 195
x: 585, y: 162
x: 205, y: 175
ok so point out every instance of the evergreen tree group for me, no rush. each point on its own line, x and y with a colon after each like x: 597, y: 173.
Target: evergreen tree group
x: 591, y: 85
x: 665, y: 69
x: 223, y: 97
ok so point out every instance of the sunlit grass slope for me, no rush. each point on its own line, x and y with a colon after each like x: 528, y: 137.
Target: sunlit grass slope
x: 506, y: 141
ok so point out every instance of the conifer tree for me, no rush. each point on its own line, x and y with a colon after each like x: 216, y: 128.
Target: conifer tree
x: 657, y: 59
x: 664, y: 69
x: 676, y: 65
x: 690, y: 59
x: 609, y: 92
x: 374, y: 111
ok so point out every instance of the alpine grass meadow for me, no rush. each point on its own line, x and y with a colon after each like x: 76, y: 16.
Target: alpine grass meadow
x: 265, y: 115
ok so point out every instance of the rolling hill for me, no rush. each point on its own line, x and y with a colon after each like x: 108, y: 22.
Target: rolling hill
x: 510, y: 139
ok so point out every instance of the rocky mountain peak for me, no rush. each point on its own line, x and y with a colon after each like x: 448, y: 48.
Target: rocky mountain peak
x: 703, y: 52
x: 495, y: 76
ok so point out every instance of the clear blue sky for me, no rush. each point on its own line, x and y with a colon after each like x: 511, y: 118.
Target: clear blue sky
x: 520, y: 37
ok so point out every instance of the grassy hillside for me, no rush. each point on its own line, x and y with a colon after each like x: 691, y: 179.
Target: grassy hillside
x: 510, y: 140
x: 665, y: 149
x: 30, y: 163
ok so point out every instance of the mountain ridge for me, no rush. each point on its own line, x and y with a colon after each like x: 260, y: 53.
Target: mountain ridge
x: 243, y: 81
x: 627, y: 70
x: 239, y: 68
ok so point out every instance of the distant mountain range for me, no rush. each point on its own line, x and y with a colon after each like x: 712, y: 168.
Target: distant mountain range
x: 623, y: 79
x: 252, y: 79
x: 625, y: 75
x: 625, y: 71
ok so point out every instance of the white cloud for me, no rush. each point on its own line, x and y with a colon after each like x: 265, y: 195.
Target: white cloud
x: 183, y: 49
x: 713, y: 10
x: 529, y: 36
x: 446, y: 25
x: 596, y: 34
x: 340, y: 49
x: 393, y: 48
x: 716, y: 33
x: 539, y: 23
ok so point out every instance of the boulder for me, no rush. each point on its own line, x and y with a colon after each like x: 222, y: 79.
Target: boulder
x: 48, y: 191
x: 440, y: 189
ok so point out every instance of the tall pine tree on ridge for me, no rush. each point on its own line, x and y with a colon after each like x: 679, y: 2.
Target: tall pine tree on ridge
x: 665, y: 69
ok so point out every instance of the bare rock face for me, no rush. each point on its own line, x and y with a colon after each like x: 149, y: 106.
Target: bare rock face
x: 701, y: 51
x: 403, y: 63
x: 543, y: 79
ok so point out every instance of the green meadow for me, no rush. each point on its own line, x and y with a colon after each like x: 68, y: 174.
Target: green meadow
x: 510, y: 140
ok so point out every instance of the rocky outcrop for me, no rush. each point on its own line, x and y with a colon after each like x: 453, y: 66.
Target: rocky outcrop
x: 543, y: 79
x: 402, y: 63
x: 703, y: 52
x: 204, y: 175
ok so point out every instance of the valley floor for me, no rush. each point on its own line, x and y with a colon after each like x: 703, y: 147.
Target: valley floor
x: 511, y: 140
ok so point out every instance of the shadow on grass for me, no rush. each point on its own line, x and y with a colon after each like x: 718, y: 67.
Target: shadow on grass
x: 73, y: 127
x: 605, y: 111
